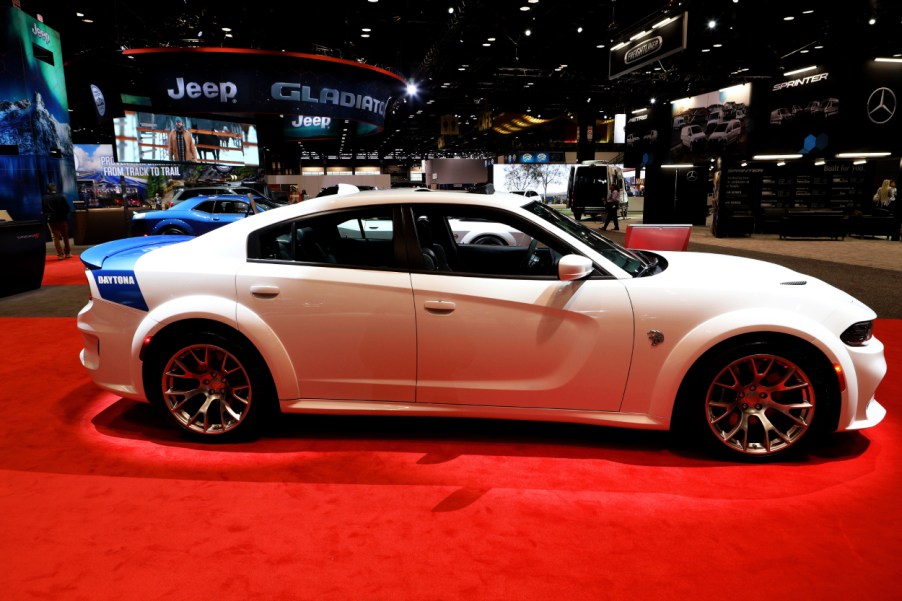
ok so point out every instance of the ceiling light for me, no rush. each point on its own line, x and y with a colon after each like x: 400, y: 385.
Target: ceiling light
x: 712, y: 24
x: 781, y: 163
x: 820, y: 162
x: 773, y: 157
x: 677, y: 166
x: 227, y: 29
x: 797, y: 71
x: 882, y: 59
x: 859, y: 155
x: 860, y: 162
x: 579, y: 30
x: 789, y: 18
x: 527, y: 33
x: 660, y: 24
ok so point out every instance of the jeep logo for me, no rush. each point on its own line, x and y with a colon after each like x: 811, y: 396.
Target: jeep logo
x: 38, y: 32
x: 225, y: 91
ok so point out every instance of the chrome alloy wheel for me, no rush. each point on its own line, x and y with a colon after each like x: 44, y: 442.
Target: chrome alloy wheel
x: 760, y: 404
x: 207, y: 389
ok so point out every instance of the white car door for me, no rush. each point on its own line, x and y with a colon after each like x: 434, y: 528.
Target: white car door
x: 522, y: 342
x: 349, y: 330
x: 509, y: 340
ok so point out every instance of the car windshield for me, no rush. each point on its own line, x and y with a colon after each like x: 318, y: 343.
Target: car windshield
x: 634, y: 263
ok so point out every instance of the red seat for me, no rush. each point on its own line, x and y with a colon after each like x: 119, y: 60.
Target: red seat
x: 649, y: 236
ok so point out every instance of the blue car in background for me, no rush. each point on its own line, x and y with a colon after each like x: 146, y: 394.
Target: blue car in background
x: 194, y: 216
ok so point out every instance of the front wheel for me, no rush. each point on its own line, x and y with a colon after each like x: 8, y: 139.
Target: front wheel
x: 577, y: 215
x: 210, y: 386
x: 757, y: 401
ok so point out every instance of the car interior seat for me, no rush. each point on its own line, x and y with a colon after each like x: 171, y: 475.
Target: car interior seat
x: 434, y: 255
x: 309, y: 248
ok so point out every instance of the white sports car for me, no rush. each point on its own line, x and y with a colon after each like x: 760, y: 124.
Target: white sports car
x: 302, y: 309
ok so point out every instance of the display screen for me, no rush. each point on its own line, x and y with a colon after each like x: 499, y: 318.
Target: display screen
x: 144, y: 138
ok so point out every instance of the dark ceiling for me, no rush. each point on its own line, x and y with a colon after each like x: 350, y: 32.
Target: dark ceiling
x: 557, y: 70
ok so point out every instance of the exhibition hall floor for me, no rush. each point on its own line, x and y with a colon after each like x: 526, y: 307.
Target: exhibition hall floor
x: 100, y: 499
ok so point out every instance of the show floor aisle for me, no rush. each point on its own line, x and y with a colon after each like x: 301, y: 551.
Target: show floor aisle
x: 100, y: 500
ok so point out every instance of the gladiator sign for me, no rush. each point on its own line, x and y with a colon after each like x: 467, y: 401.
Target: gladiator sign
x: 234, y: 80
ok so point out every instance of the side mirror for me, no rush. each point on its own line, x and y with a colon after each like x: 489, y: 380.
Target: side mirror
x: 574, y: 267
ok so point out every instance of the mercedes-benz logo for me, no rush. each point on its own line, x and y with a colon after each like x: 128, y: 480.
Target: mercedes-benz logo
x: 691, y: 176
x: 881, y: 105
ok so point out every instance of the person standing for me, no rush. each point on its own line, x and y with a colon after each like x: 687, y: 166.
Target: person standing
x: 611, y: 208
x: 56, y: 209
x: 181, y: 144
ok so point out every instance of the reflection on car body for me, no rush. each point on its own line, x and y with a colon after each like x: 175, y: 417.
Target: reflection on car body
x: 369, y: 303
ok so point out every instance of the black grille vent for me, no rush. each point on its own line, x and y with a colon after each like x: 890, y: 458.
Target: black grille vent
x: 794, y: 283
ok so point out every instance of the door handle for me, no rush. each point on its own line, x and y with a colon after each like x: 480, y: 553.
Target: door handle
x: 264, y: 290
x: 439, y: 306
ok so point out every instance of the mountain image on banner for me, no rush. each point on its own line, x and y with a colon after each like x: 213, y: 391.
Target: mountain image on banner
x: 28, y: 125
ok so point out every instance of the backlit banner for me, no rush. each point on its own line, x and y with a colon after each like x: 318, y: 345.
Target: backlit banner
x: 231, y: 80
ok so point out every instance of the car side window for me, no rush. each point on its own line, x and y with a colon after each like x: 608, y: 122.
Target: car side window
x: 208, y: 206
x: 480, y: 241
x: 232, y: 206
x: 363, y: 238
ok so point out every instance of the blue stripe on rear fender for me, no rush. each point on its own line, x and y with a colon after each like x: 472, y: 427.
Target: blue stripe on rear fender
x: 120, y: 286
x: 112, y: 265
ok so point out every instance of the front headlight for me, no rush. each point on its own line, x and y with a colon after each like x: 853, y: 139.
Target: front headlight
x: 858, y: 334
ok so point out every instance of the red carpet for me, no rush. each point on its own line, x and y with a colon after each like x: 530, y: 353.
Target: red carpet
x: 101, y: 500
x: 65, y: 272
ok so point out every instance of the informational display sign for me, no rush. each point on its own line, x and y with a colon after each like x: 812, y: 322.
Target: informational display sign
x: 663, y: 39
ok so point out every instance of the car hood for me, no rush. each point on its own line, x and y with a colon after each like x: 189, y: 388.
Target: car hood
x: 735, y: 275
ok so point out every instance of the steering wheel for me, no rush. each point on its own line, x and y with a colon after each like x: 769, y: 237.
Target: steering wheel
x: 531, y: 259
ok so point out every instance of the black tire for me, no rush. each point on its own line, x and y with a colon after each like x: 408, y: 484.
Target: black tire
x: 757, y: 401
x: 577, y: 215
x: 489, y: 240
x: 173, y: 231
x: 210, y: 386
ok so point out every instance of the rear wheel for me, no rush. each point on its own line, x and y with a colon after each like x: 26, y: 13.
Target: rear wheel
x: 489, y: 240
x: 210, y: 386
x: 577, y: 215
x: 173, y: 231
x: 757, y: 401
